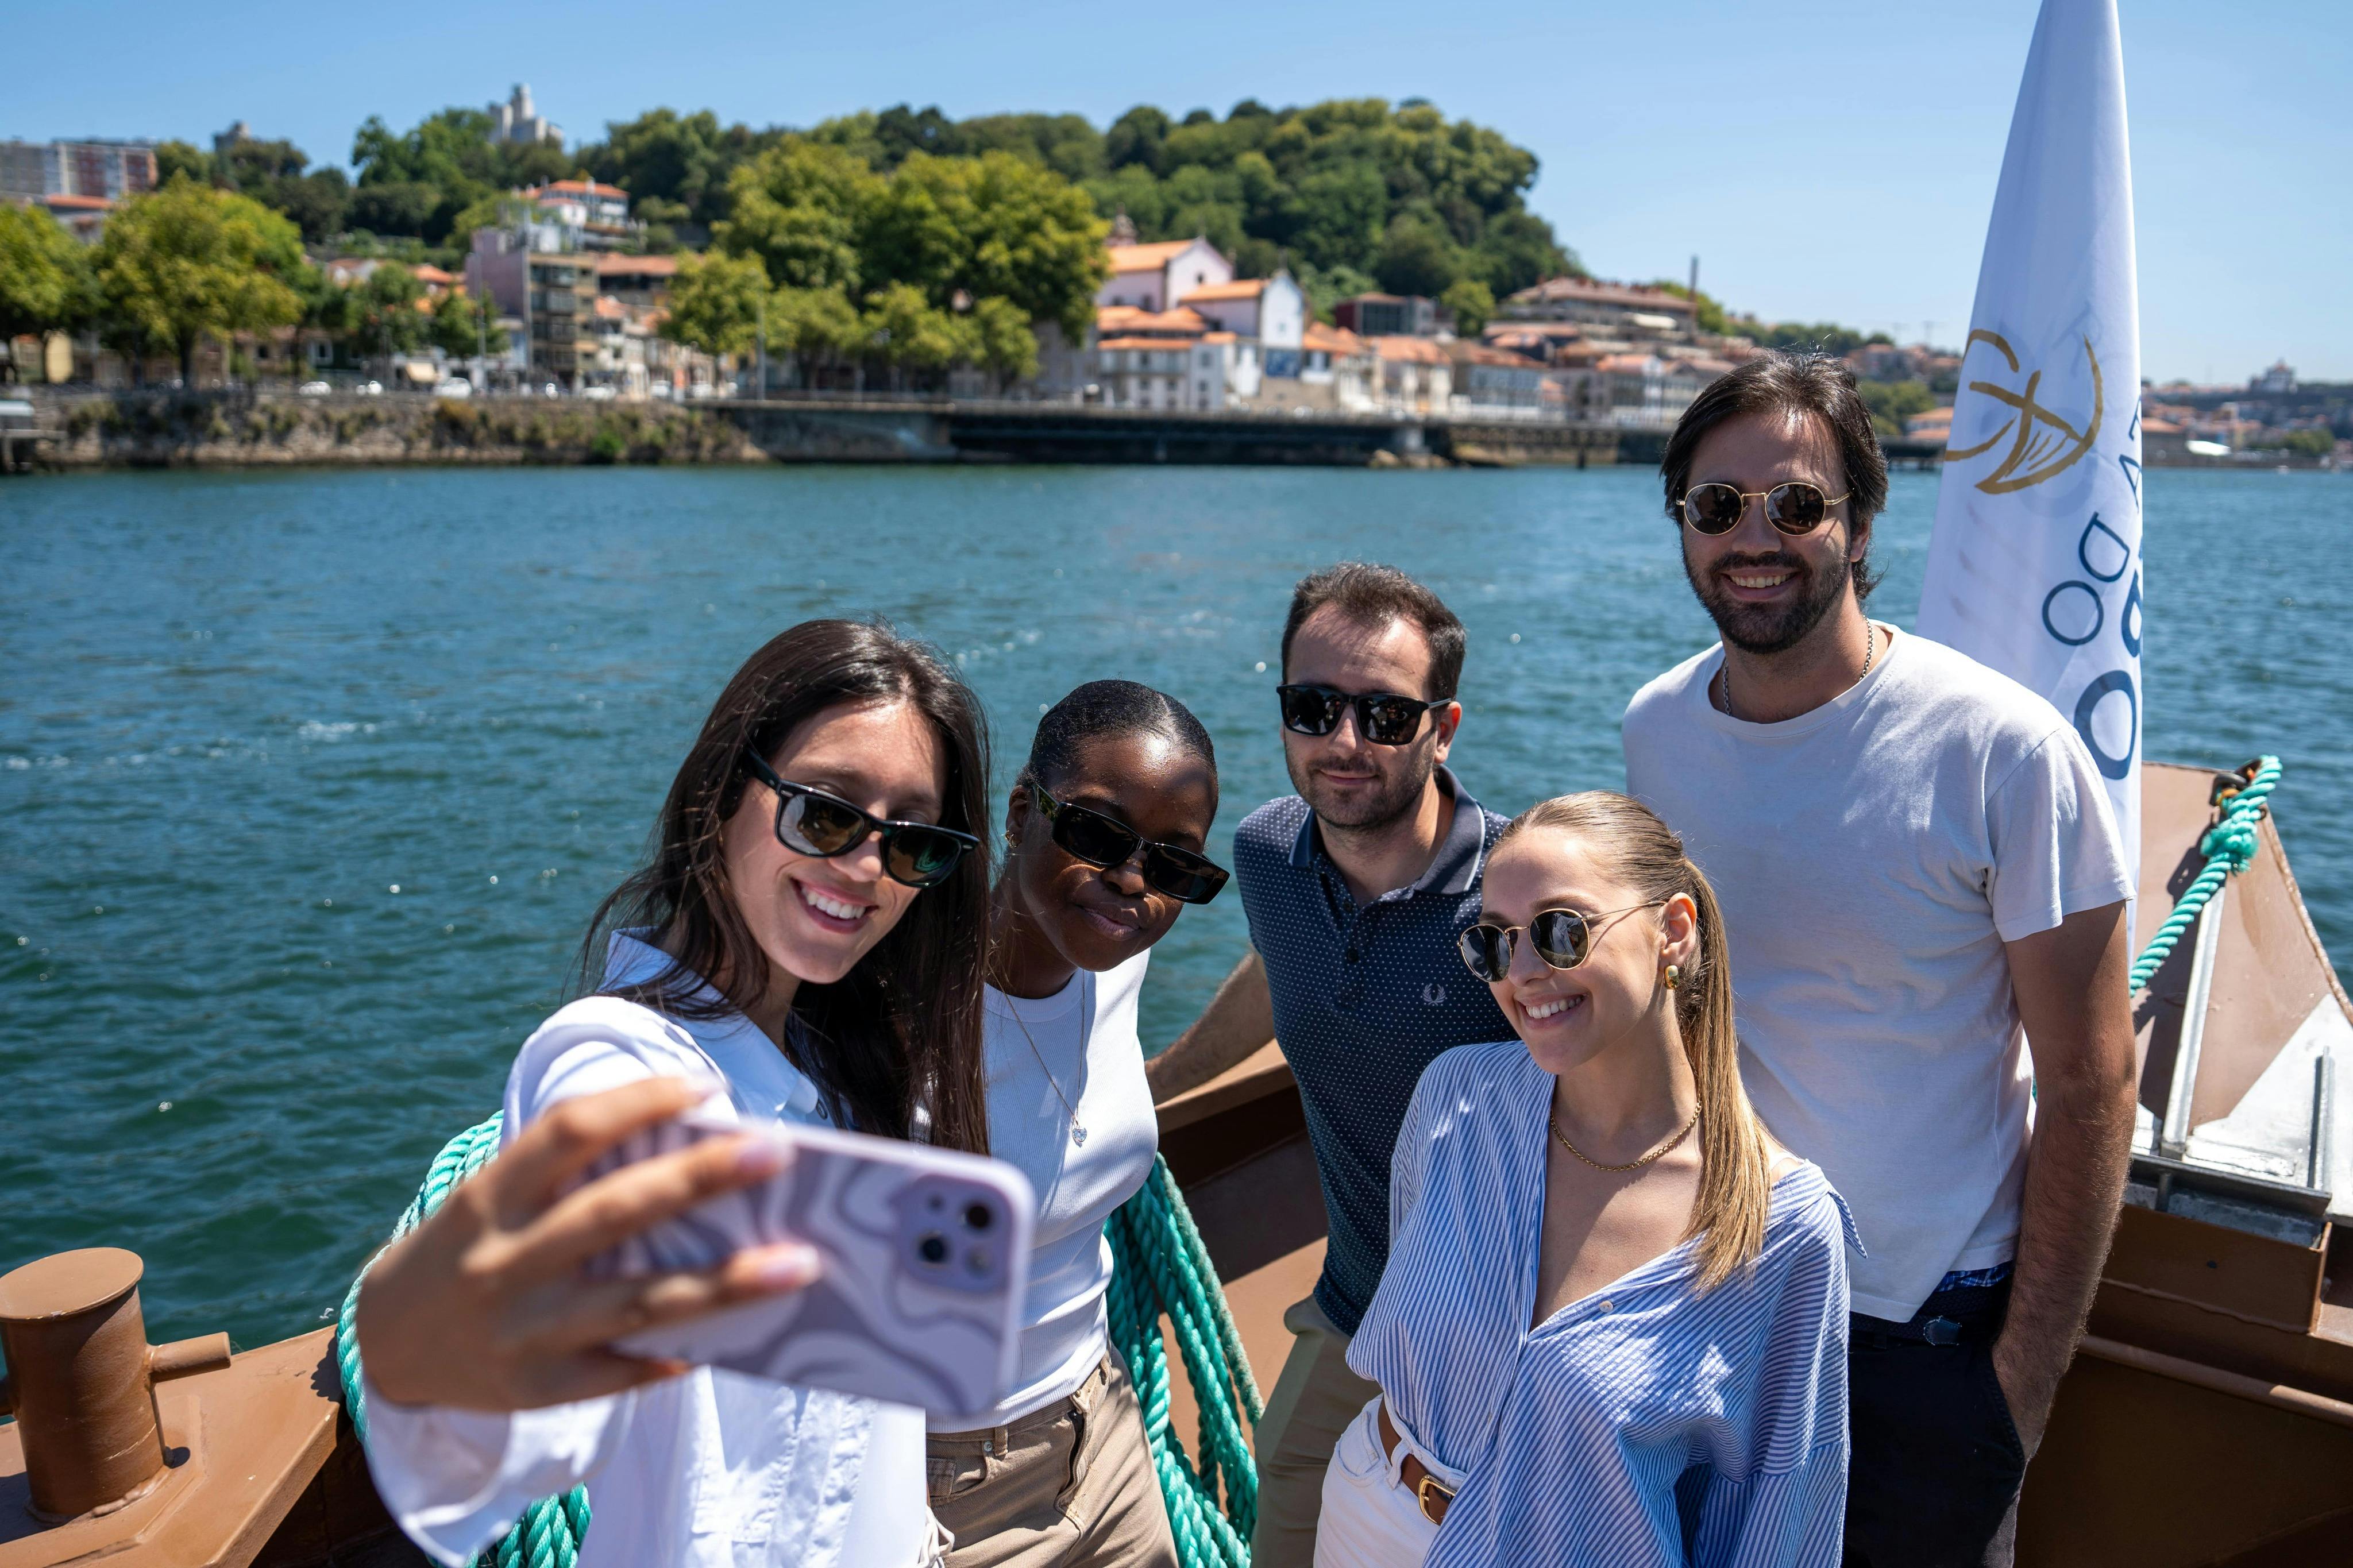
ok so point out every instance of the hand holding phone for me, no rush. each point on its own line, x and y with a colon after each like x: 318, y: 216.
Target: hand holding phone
x: 924, y: 1255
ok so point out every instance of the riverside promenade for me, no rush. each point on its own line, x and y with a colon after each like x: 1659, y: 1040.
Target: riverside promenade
x: 82, y: 429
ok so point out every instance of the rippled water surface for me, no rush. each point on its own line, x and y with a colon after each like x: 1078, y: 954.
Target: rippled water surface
x: 307, y: 781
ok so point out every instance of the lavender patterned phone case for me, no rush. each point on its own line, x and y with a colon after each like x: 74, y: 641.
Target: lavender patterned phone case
x: 926, y: 1259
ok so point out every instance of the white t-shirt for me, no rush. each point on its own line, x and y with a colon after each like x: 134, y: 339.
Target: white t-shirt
x: 1085, y: 1035
x: 709, y: 1470
x: 1872, y: 858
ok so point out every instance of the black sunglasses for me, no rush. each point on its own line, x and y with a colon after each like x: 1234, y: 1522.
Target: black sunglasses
x: 1796, y: 508
x: 1562, y: 939
x: 1098, y: 840
x: 1382, y: 717
x: 811, y: 822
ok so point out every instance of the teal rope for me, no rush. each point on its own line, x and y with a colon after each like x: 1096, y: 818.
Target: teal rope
x: 549, y: 1533
x: 1160, y: 1266
x: 2228, y: 845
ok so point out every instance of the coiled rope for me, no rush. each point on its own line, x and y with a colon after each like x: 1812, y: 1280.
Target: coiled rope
x: 1159, y: 1267
x: 548, y: 1534
x: 2229, y: 847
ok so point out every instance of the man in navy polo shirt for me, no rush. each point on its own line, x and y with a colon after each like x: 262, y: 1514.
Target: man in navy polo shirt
x: 1356, y: 889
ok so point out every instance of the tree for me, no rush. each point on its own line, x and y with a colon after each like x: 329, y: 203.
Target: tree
x: 798, y: 207
x: 818, y: 327
x: 910, y: 333
x: 715, y: 303
x: 1471, y: 304
x: 676, y: 167
x: 1416, y: 257
x: 187, y: 262
x: 44, y: 279
x: 995, y: 225
x: 1008, y: 349
x: 382, y: 317
x: 418, y: 181
x: 463, y: 325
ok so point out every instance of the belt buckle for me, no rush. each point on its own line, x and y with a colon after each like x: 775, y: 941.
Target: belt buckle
x: 1941, y: 1331
x: 1433, y: 1496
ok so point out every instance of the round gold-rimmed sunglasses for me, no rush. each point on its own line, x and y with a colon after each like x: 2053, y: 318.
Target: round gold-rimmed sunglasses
x: 1562, y: 939
x: 1796, y: 508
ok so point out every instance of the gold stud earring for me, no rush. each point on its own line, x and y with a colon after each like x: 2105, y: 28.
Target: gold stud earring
x: 1674, y: 975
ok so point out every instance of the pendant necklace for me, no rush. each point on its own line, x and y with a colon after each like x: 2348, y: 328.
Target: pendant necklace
x: 1078, y: 1133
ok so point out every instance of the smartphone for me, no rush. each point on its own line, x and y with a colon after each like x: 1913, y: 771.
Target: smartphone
x: 925, y: 1262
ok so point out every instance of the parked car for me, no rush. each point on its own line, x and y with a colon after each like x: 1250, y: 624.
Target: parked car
x: 551, y: 390
x: 314, y: 389
x: 456, y: 386
x: 370, y: 389
x: 598, y: 393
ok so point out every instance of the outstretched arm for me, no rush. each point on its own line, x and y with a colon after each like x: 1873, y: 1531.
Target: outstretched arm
x: 2074, y: 998
x: 1239, y: 1019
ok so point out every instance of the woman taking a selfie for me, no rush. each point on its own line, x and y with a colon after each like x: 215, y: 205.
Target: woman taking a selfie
x: 482, y: 1309
x: 1103, y: 836
x: 806, y: 938
x: 1613, y: 1327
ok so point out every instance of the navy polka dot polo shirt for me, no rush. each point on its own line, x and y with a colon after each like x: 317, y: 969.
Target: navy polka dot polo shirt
x: 1365, y: 996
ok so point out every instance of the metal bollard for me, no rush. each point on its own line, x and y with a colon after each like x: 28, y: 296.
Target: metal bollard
x: 80, y: 1377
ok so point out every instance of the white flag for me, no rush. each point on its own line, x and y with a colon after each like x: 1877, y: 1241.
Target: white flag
x: 2034, y: 568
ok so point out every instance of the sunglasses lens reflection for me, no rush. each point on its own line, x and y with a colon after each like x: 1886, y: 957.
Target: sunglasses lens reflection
x: 1389, y: 721
x: 818, y: 827
x: 1097, y: 840
x: 1309, y: 711
x: 1712, y: 507
x: 1795, y: 508
x: 1562, y: 938
x: 919, y: 858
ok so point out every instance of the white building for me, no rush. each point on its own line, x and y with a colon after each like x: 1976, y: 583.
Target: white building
x: 1416, y: 375
x: 516, y: 121
x: 1154, y: 276
x: 1271, y: 309
x: 586, y: 214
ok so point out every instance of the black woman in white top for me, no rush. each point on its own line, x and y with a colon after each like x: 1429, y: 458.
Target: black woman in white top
x: 1105, y: 836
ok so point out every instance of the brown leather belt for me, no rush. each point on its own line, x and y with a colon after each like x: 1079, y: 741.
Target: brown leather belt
x: 1434, y: 1495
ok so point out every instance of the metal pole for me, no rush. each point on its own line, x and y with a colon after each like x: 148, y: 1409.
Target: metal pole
x: 2173, y: 1136
x: 763, y: 392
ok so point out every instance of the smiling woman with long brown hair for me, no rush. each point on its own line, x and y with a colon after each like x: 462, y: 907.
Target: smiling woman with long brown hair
x: 804, y: 943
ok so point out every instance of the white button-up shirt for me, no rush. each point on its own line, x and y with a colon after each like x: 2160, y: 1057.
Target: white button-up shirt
x: 711, y: 1469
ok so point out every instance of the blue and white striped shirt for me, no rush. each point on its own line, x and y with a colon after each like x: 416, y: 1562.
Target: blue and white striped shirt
x: 1646, y: 1424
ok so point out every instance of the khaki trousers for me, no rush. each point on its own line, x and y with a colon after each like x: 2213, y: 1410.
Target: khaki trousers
x: 1313, y: 1401
x: 1069, y: 1485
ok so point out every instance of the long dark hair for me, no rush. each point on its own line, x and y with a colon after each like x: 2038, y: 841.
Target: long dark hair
x: 904, y: 1025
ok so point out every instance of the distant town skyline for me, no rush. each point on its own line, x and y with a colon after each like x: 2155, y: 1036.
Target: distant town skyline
x: 1837, y: 165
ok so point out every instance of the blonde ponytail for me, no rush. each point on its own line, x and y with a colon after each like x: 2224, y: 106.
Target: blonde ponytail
x: 1638, y: 850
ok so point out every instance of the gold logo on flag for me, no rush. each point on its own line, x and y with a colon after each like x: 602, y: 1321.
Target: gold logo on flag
x: 2043, y: 442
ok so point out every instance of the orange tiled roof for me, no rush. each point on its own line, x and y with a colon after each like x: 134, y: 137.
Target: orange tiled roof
x: 1634, y: 294
x: 1463, y: 352
x: 1133, y: 319
x: 1322, y: 339
x: 582, y: 188
x: 1240, y: 289
x: 77, y: 204
x: 1143, y: 343
x: 1219, y: 337
x: 638, y: 265
x: 431, y: 274
x: 1149, y: 258
x: 1408, y: 350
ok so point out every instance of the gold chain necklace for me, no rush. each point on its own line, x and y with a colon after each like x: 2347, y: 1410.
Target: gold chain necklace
x: 1631, y: 1166
x: 1078, y: 1133
x: 1870, y: 645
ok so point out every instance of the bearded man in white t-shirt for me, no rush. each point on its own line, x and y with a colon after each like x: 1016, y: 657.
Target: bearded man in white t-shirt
x: 1919, y: 872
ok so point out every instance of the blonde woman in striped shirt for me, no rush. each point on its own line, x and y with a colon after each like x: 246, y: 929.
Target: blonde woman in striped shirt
x: 1613, y: 1326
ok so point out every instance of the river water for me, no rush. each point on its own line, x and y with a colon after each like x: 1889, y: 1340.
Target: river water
x: 309, y: 781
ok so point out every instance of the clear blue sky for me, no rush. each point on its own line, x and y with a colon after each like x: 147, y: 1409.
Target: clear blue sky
x: 1832, y: 160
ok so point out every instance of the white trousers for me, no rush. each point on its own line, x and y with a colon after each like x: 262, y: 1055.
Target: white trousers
x: 1370, y: 1519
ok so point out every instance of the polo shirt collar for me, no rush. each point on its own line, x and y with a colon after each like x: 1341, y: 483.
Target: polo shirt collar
x: 1454, y: 869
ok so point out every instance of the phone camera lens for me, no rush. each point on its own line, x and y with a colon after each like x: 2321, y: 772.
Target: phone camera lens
x: 979, y: 1261
x: 978, y: 1217
x: 932, y: 1248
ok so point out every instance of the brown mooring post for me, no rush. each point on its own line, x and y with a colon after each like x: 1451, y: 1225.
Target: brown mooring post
x: 79, y: 1379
